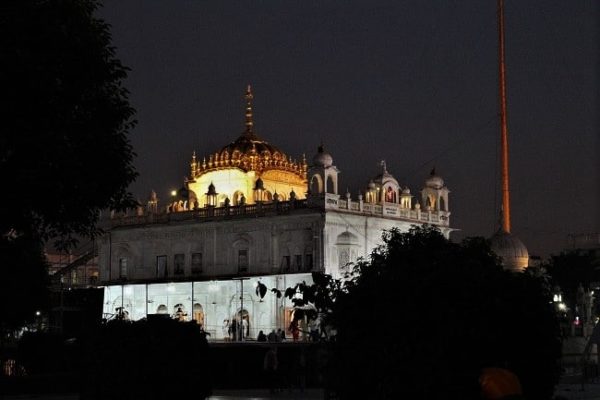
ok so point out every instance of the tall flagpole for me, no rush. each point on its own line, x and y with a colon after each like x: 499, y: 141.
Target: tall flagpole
x: 503, y: 125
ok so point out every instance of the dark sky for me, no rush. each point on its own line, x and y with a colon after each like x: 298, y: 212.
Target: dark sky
x: 412, y: 82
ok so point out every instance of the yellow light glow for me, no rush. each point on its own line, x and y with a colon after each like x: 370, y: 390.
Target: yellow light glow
x: 231, y: 183
x: 173, y: 192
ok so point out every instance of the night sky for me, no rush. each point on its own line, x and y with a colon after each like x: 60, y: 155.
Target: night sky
x: 410, y: 82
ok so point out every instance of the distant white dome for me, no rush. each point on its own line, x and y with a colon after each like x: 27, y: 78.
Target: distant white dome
x: 434, y: 181
x: 511, y: 250
x: 322, y: 158
x: 406, y: 191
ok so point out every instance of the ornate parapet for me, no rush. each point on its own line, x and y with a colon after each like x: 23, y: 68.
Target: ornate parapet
x: 386, y: 210
x: 209, y: 213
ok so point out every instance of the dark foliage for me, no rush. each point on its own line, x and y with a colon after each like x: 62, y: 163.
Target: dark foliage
x: 23, y: 285
x: 64, y: 148
x: 261, y: 290
x: 157, y: 359
x: 424, y: 315
x: 64, y: 151
x: 46, y: 353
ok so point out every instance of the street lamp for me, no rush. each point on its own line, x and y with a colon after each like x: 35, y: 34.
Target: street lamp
x: 173, y: 198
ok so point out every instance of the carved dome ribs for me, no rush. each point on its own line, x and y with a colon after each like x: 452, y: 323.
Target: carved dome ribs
x: 248, y: 153
x: 251, y: 154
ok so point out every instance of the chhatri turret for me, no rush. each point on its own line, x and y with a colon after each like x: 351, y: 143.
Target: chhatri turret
x: 507, y: 246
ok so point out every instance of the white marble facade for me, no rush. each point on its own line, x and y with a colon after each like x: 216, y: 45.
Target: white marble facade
x: 186, y: 259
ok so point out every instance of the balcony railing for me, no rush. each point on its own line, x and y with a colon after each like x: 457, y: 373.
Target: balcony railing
x: 211, y: 213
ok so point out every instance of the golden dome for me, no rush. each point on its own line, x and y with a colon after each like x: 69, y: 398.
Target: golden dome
x: 249, y: 153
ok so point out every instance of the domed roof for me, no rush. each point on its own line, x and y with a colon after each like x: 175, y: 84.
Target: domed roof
x: 511, y: 251
x: 250, y: 144
x: 211, y: 189
x: 183, y: 193
x: 406, y: 190
x: 322, y: 158
x: 385, y: 177
x: 434, y: 181
x: 248, y: 153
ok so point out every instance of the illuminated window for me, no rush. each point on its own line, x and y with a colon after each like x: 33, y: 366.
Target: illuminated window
x: 161, y: 267
x: 243, y: 260
x: 122, y: 268
x: 179, y: 264
x: 196, y: 263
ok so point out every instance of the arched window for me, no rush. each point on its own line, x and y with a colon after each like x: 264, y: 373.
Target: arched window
x: 162, y: 309
x: 236, y: 197
x: 390, y: 195
x: 198, y: 314
x: 443, y: 204
x: 316, y: 184
x: 330, y: 185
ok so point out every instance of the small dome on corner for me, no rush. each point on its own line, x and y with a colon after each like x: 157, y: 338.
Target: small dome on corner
x: 434, y: 181
x: 322, y: 158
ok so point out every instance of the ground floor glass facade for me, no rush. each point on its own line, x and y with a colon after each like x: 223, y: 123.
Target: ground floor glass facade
x: 217, y: 306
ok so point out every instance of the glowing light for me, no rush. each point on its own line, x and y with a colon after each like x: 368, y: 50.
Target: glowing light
x: 173, y: 192
x: 38, y: 313
x: 562, y: 306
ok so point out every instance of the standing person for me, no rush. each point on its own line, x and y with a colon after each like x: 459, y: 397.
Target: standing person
x: 261, y: 337
x: 234, y: 326
x: 245, y: 327
x: 272, y: 337
x: 280, y: 335
x: 295, y: 330
x: 226, y: 329
x: 270, y: 366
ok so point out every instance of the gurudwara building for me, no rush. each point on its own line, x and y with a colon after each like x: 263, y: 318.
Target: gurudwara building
x: 250, y: 215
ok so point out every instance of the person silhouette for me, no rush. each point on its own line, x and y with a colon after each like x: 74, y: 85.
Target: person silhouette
x: 261, y: 337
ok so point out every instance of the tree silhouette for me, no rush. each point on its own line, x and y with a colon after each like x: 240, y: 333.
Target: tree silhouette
x: 261, y: 290
x: 423, y: 316
x: 64, y: 152
x: 64, y: 149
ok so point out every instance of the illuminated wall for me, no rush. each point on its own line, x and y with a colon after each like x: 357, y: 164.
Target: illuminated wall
x: 210, y: 303
x: 232, y: 182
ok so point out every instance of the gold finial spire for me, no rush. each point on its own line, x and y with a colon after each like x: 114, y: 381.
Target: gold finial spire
x: 249, y: 115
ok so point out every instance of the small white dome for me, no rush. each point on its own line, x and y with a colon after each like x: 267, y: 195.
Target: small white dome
x: 406, y: 191
x: 434, y: 181
x: 322, y: 158
x: 511, y: 250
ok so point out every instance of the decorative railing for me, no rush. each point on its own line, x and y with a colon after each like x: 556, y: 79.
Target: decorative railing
x: 384, y: 210
x: 210, y: 213
x: 328, y: 202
